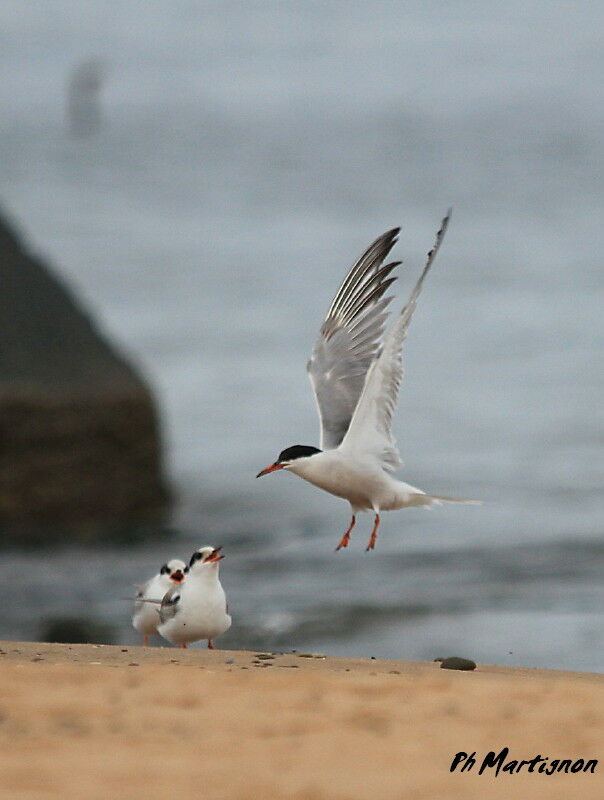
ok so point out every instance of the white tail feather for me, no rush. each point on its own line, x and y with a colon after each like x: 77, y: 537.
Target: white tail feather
x: 410, y: 499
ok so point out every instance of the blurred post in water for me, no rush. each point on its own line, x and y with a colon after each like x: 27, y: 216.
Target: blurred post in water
x: 84, y: 113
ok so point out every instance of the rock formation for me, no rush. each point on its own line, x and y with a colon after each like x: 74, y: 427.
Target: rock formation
x: 79, y: 444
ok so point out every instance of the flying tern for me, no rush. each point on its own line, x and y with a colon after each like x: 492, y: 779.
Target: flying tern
x: 144, y: 618
x: 198, y: 609
x: 356, y: 371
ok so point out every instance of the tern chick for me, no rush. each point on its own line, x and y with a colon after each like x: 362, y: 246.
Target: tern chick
x: 197, y: 609
x: 145, y: 618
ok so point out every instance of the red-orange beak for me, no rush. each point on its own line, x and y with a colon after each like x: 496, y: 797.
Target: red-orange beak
x: 272, y: 468
x: 214, y: 556
x: 177, y: 576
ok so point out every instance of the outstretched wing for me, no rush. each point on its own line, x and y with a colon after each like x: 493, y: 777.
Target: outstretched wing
x: 349, y: 339
x: 370, y: 431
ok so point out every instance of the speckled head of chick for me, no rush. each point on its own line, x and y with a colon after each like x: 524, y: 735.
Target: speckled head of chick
x: 175, y: 570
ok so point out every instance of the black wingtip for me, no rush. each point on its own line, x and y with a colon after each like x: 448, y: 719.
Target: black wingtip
x: 440, y: 235
x: 389, y: 238
x: 445, y: 222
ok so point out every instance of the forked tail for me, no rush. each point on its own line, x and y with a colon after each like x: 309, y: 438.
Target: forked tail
x: 409, y: 496
x: 430, y: 500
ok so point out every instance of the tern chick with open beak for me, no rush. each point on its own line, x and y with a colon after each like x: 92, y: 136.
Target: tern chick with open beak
x: 145, y: 618
x: 356, y: 372
x: 198, y: 609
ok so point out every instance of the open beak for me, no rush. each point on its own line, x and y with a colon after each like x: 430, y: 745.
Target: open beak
x: 272, y: 468
x: 177, y: 576
x: 214, y: 556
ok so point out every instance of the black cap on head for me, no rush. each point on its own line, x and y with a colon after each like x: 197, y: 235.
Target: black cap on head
x: 297, y: 451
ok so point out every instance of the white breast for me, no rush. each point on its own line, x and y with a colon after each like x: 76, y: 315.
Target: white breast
x: 201, y: 612
x: 359, y: 482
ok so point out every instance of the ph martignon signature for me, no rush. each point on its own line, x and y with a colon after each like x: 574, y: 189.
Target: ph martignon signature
x: 465, y: 762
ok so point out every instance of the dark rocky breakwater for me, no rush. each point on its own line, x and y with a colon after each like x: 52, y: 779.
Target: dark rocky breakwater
x: 80, y: 451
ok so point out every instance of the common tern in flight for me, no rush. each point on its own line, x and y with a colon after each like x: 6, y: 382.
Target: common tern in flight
x: 356, y: 372
x: 145, y: 618
x: 198, y: 609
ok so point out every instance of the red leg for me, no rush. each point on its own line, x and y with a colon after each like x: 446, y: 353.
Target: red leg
x: 373, y: 536
x: 210, y: 645
x: 145, y: 640
x: 346, y: 538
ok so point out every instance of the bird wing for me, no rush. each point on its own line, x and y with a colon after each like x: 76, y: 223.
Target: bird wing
x: 349, y: 339
x: 370, y: 430
x: 169, y: 604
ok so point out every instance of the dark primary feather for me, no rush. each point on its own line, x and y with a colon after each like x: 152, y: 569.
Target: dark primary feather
x: 350, y: 338
x: 372, y: 257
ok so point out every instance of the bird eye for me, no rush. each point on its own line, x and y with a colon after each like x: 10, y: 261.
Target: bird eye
x: 164, y: 569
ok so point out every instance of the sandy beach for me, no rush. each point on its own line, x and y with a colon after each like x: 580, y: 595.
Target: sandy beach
x: 94, y: 721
